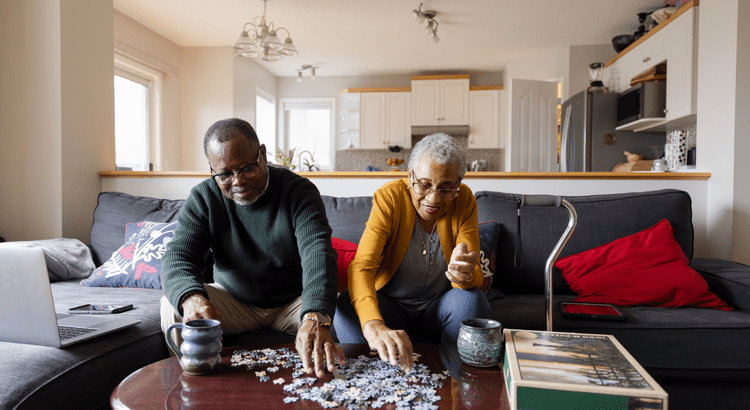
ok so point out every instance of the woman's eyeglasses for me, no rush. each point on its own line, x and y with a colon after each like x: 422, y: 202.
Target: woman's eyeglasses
x: 248, y: 171
x: 424, y: 189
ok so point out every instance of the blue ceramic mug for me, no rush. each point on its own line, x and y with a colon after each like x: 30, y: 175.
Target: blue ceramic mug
x: 200, y: 351
x: 481, y: 342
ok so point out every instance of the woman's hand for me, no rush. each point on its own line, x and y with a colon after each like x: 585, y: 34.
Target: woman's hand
x: 393, y: 346
x: 461, y: 268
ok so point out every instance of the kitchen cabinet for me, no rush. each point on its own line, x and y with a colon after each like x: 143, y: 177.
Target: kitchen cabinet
x: 682, y: 67
x: 349, y: 120
x: 651, y: 52
x: 398, y: 119
x: 381, y: 119
x: 676, y: 43
x: 484, y: 122
x: 440, y: 101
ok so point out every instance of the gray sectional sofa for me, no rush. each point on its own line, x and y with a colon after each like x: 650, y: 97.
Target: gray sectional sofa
x: 697, y: 355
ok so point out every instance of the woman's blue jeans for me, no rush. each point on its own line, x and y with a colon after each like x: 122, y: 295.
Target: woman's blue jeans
x: 439, y: 322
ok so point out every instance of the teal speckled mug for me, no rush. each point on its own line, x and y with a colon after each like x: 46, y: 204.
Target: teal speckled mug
x: 481, y: 342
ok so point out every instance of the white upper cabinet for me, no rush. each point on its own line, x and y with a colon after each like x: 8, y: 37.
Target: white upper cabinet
x: 682, y: 66
x: 676, y: 43
x: 398, y: 119
x: 381, y: 119
x: 484, y: 123
x: 651, y: 52
x: 440, y: 102
x: 372, y: 120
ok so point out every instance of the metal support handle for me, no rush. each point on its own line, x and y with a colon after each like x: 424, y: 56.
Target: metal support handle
x: 550, y: 200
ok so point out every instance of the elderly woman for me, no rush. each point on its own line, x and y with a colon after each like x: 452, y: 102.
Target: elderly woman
x: 415, y: 270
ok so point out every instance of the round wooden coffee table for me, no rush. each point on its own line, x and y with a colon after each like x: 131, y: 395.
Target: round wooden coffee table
x: 162, y: 385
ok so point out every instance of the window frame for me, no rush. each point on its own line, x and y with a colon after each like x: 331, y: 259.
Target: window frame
x: 322, y: 102
x: 128, y: 68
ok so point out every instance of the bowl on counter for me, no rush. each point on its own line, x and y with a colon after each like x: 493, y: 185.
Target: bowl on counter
x: 622, y: 41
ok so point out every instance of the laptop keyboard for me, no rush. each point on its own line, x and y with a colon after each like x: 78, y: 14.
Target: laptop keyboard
x: 69, y: 332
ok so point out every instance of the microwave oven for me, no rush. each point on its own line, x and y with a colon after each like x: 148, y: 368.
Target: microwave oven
x: 645, y: 100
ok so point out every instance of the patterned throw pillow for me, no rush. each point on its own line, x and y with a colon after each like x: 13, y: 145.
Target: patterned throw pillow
x: 137, y: 264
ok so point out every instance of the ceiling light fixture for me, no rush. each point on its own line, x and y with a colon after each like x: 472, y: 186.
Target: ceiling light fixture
x: 262, y: 40
x: 303, y: 68
x: 432, y: 24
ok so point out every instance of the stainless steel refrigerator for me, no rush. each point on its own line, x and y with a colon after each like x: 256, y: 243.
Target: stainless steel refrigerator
x: 588, y: 140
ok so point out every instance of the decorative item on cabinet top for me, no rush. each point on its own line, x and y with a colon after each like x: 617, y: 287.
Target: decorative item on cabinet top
x: 408, y: 89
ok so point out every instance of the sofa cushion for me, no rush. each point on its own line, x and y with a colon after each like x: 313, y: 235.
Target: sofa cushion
x: 346, y: 251
x: 348, y: 216
x: 137, y: 264
x: 114, y: 210
x: 647, y: 268
x: 601, y: 219
x: 66, y: 258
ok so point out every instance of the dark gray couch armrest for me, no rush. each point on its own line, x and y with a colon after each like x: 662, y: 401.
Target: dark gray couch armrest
x: 728, y: 280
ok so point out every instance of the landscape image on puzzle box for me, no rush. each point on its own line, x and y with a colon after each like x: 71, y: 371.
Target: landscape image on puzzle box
x: 575, y: 359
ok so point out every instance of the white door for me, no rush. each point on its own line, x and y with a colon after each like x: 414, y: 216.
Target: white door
x: 533, y: 131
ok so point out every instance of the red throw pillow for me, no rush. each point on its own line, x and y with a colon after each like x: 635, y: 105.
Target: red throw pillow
x: 647, y: 268
x: 346, y: 251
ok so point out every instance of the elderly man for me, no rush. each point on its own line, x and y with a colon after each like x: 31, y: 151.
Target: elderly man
x: 274, y: 266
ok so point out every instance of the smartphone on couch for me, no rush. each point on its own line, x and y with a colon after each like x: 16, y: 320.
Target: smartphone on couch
x: 99, y: 309
x: 598, y: 311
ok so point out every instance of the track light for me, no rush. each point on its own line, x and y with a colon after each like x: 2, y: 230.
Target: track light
x: 432, y: 24
x: 303, y: 68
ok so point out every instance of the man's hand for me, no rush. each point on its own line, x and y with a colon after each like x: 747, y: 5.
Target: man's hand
x: 196, y: 306
x: 316, y: 348
x: 461, y: 268
x: 393, y: 346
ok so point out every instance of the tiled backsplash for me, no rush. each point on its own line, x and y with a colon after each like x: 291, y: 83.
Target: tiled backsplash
x: 358, y: 159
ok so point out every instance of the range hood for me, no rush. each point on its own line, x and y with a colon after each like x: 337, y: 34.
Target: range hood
x: 452, y: 130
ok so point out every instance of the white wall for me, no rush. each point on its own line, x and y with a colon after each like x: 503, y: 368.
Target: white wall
x: 248, y: 77
x: 206, y: 84
x: 580, y: 58
x: 717, y: 95
x: 741, y: 205
x: 144, y: 39
x: 56, y: 115
x: 31, y: 78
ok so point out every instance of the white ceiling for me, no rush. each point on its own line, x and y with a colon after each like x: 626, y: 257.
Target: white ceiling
x: 358, y: 37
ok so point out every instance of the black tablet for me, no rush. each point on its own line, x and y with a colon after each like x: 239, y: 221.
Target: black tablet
x: 598, y: 311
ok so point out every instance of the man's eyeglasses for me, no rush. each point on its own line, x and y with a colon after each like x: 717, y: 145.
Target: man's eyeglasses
x: 424, y: 189
x: 248, y: 171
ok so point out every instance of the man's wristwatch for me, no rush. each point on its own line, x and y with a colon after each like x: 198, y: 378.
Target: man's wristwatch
x: 321, y: 317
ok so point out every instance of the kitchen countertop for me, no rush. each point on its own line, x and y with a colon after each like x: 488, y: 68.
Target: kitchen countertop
x: 469, y: 175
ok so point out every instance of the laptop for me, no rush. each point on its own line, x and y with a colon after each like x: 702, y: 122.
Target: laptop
x: 28, y: 312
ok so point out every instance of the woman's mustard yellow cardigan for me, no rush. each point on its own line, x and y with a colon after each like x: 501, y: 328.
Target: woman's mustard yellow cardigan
x: 387, y: 235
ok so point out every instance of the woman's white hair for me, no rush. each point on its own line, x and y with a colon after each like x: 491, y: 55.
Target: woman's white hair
x: 440, y: 148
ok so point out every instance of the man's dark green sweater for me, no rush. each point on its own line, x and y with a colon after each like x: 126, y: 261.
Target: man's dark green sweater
x: 266, y: 254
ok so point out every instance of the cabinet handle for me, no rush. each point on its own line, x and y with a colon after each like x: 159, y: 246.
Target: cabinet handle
x: 647, y: 59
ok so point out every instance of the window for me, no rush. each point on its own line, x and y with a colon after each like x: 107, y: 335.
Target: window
x: 265, y: 121
x: 308, y: 129
x: 136, y: 122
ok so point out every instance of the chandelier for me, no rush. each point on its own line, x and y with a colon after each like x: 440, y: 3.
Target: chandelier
x: 432, y: 24
x: 262, y: 40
